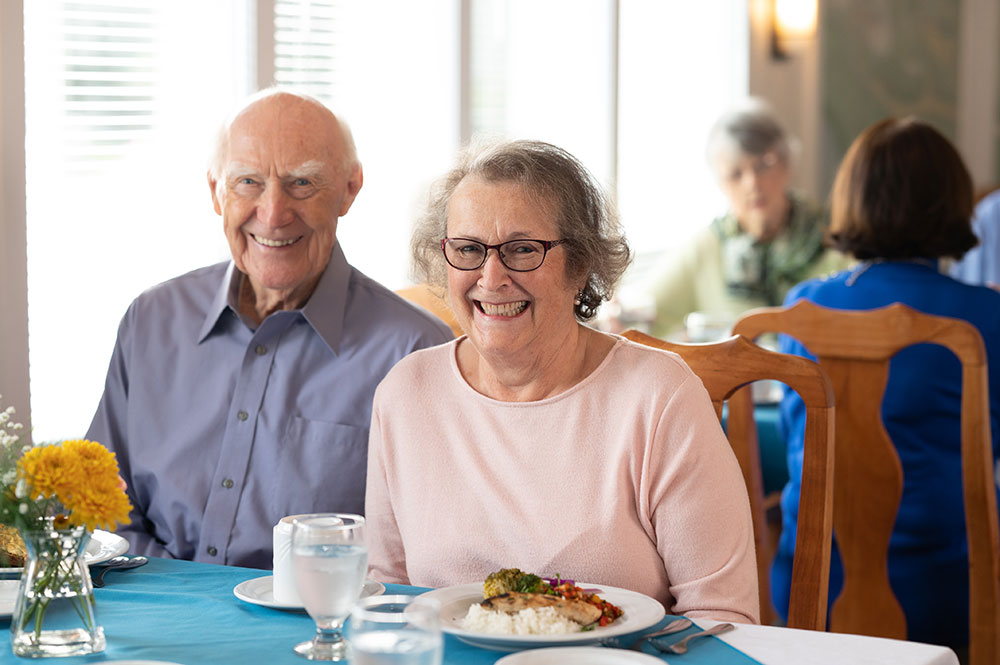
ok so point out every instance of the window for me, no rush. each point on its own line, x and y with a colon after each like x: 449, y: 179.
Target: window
x: 123, y: 98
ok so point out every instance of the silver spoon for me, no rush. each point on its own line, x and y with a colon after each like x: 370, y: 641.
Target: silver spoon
x: 681, y: 646
x: 118, y: 563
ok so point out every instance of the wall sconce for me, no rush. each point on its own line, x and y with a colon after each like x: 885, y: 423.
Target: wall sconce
x: 793, y: 26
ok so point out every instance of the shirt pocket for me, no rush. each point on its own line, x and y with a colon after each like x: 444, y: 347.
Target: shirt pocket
x: 321, y: 468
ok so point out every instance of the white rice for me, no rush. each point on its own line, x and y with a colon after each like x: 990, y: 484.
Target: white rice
x: 530, y: 621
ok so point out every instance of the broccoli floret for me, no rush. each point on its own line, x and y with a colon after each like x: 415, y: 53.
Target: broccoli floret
x: 511, y: 580
x: 500, y: 582
x: 529, y: 583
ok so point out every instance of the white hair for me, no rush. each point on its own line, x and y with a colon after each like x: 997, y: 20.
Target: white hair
x: 751, y: 128
x: 217, y: 159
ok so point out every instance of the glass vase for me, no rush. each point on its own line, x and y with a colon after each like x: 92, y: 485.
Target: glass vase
x: 55, y: 614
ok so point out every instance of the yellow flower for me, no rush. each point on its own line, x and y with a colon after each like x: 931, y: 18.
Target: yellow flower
x: 83, y: 476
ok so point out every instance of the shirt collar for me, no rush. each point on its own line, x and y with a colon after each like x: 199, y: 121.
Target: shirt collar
x: 324, y: 310
x: 224, y: 295
x: 327, y: 306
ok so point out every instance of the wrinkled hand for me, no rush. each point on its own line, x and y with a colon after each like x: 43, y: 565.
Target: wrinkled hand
x: 122, y: 484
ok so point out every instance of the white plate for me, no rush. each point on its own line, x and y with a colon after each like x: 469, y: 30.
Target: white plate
x: 8, y: 595
x: 102, y: 546
x: 578, y: 656
x: 260, y: 591
x: 138, y: 662
x: 640, y: 611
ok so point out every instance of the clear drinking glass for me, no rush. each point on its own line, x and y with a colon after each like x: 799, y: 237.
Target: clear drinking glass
x: 329, y: 560
x: 396, y: 630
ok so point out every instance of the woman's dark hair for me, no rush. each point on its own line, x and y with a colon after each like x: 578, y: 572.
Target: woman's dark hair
x: 596, y: 246
x: 902, y: 192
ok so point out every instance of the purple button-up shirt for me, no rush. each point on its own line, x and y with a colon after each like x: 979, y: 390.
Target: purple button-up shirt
x: 221, y: 429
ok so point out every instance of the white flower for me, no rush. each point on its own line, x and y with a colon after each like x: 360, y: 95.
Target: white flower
x: 21, y: 489
x: 23, y: 509
x: 9, y: 477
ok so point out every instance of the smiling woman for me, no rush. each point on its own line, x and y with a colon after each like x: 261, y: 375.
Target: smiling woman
x: 528, y: 247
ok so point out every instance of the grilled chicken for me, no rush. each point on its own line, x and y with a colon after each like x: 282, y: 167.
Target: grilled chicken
x: 574, y: 609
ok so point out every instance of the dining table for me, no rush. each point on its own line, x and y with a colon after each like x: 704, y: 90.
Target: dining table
x: 187, y: 613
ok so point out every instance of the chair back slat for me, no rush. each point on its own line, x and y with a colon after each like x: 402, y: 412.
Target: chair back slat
x: 855, y: 347
x: 727, y: 369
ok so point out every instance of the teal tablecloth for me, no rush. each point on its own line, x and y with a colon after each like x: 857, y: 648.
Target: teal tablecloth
x: 185, y: 612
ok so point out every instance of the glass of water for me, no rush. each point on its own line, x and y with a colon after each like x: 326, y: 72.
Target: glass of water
x: 329, y: 560
x: 396, y: 630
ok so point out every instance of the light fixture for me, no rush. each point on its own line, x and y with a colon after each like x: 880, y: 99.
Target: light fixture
x: 793, y: 26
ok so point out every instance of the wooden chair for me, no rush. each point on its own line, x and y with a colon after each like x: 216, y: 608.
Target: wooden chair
x: 854, y: 347
x: 727, y: 368
x: 434, y: 302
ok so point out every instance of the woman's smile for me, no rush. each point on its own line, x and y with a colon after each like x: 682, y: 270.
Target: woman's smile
x: 507, y: 309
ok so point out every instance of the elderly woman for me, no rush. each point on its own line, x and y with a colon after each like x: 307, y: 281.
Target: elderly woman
x: 902, y: 200
x: 534, y: 441
x: 770, y: 239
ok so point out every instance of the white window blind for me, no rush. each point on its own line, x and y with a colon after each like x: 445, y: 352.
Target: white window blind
x: 306, y: 36
x: 390, y: 69
x: 121, y: 100
x: 107, y: 66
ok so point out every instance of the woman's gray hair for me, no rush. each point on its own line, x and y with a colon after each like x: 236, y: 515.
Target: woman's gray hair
x: 596, y: 245
x: 752, y: 128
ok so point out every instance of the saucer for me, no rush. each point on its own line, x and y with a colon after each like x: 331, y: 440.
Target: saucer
x: 260, y: 591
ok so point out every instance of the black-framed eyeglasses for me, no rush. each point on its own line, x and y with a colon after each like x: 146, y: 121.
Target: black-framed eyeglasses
x: 523, y: 255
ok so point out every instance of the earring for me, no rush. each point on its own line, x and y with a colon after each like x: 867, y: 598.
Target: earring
x: 579, y: 298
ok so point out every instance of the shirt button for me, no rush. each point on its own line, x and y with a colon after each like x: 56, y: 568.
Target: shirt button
x: 261, y: 349
x: 212, y: 551
x: 242, y: 415
x: 227, y: 483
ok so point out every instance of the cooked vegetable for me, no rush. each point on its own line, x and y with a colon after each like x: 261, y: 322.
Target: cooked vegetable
x: 516, y: 581
x: 513, y: 580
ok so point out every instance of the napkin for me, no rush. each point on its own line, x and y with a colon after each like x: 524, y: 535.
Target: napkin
x: 708, y: 650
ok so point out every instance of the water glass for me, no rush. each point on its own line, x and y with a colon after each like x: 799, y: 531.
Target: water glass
x: 329, y: 561
x: 396, y: 630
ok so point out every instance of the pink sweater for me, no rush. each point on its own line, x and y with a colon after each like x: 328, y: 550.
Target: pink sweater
x: 625, y: 480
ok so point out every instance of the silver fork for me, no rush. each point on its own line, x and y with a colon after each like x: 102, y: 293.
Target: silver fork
x: 675, y: 626
x: 681, y: 646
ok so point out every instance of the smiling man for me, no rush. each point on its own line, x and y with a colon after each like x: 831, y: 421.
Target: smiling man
x: 241, y: 392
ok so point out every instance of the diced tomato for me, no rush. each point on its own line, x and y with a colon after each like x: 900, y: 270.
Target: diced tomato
x: 609, y: 612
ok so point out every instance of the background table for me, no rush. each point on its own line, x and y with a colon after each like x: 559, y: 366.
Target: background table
x: 186, y: 612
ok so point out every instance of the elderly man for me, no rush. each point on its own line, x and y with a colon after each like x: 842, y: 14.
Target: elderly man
x: 241, y: 392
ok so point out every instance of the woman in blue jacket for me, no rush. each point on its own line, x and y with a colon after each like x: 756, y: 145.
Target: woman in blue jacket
x: 901, y: 201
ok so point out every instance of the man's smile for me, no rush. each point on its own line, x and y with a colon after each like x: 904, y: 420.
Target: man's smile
x: 267, y: 242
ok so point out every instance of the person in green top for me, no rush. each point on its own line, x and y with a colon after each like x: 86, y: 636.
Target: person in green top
x: 770, y: 239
